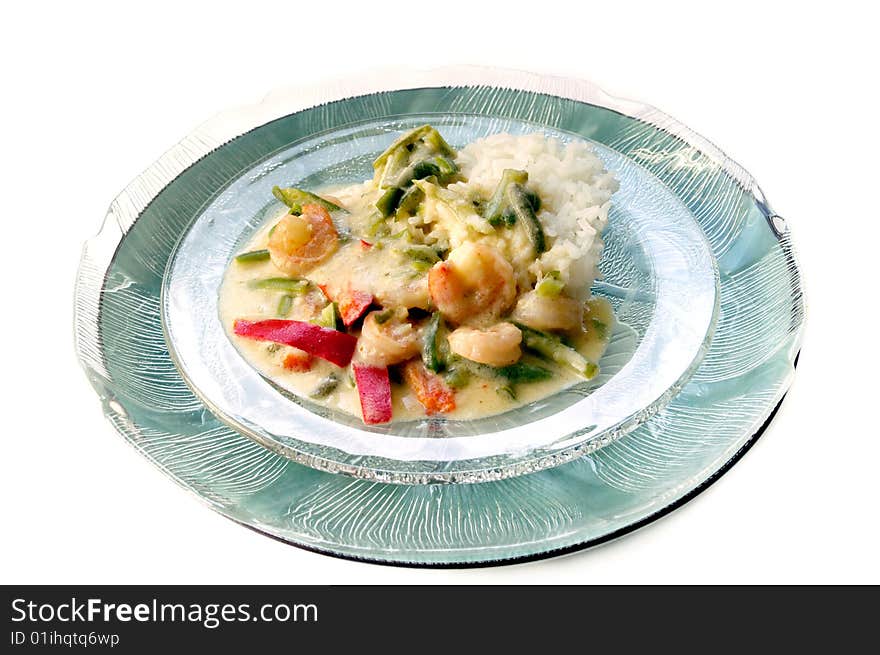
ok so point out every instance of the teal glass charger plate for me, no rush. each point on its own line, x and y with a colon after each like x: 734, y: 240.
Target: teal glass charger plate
x: 666, y: 460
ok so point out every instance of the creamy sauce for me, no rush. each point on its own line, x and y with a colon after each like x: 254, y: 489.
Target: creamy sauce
x: 383, y: 271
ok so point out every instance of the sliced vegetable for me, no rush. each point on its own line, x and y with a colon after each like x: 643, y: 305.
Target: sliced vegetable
x: 331, y: 345
x: 325, y: 387
x: 374, y: 391
x: 421, y: 253
x: 285, y: 304
x: 296, y: 198
x: 551, y: 285
x: 440, y: 167
x: 327, y: 317
x: 521, y: 372
x: 552, y: 348
x: 521, y: 206
x: 507, y: 218
x: 384, y: 316
x: 252, y: 256
x: 291, y: 284
x: 409, y: 142
x: 352, y: 304
x: 457, y: 377
x: 534, y: 200
x: 388, y: 201
x: 430, y: 389
x: 525, y: 372
x: 494, y: 209
x: 410, y: 201
x: 432, y: 354
x: 298, y: 361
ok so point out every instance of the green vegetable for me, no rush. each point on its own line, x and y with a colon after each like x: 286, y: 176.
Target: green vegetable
x: 551, y: 285
x: 457, y: 377
x: 601, y: 328
x: 252, y: 256
x: 384, y: 316
x: 421, y: 253
x: 410, y: 141
x: 521, y: 372
x: 284, y: 305
x: 494, y: 209
x: 388, y: 201
x: 296, y: 198
x: 525, y: 372
x: 506, y: 377
x: 440, y: 167
x: 410, y: 201
x: 522, y: 207
x: 534, y: 200
x: 325, y: 387
x: 432, y: 353
x: 553, y: 349
x: 328, y: 317
x: 417, y: 155
x: 506, y: 390
x: 395, y: 163
x: 292, y: 284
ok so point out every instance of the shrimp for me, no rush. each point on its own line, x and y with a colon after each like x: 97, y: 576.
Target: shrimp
x: 548, y: 313
x: 498, y: 345
x: 475, y: 283
x: 299, y: 243
x: 388, y: 339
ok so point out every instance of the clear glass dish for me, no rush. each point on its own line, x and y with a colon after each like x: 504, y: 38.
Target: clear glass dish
x: 658, y: 274
x: 720, y: 409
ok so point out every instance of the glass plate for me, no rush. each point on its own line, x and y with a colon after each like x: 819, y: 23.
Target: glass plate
x: 659, y: 275
x: 755, y: 299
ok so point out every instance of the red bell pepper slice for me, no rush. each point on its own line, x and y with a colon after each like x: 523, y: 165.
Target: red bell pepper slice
x: 352, y: 305
x: 374, y: 390
x: 430, y: 389
x: 334, y: 346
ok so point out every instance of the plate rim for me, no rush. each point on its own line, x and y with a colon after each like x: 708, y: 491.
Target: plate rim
x: 206, y: 138
x: 614, y: 535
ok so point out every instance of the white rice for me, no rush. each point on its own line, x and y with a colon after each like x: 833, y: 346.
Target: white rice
x: 575, y: 191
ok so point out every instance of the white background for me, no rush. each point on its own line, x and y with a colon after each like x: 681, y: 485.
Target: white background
x: 94, y: 93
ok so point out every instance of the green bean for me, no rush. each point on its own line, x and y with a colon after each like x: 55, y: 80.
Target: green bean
x: 285, y: 303
x: 252, y: 256
x: 457, y: 377
x: 388, y: 201
x: 495, y: 207
x: 296, y: 198
x: 409, y: 141
x: 421, y: 253
x: 432, y: 354
x: 292, y: 284
x: 410, y: 201
x: 525, y: 372
x: 522, y: 207
x: 325, y: 387
x: 553, y: 349
x: 328, y: 317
